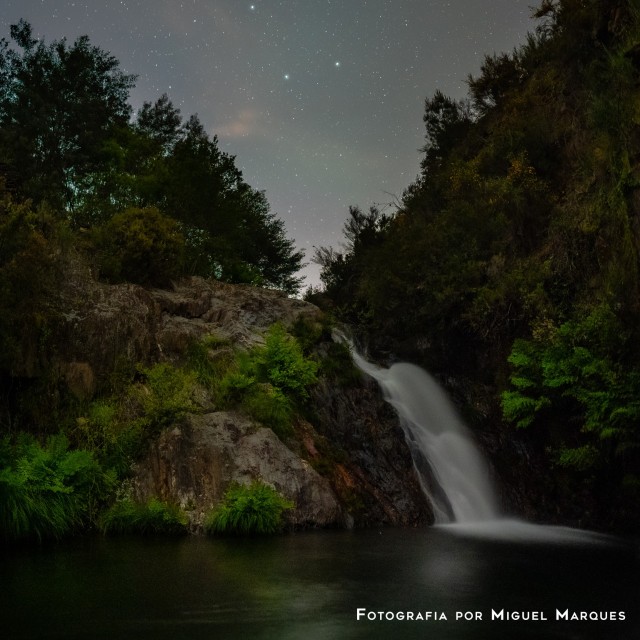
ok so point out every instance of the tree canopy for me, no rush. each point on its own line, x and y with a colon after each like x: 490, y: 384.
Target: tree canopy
x: 68, y: 138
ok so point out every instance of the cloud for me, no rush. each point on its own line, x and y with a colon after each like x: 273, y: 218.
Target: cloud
x: 245, y: 123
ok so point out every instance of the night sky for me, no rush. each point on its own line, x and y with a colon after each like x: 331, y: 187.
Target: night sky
x: 321, y: 101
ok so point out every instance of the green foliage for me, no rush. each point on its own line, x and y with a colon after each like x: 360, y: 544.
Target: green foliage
x: 270, y: 381
x: 248, y: 510
x: 576, y: 372
x: 210, y: 359
x: 166, y: 395
x: 48, y: 491
x: 282, y: 364
x: 66, y: 138
x: 29, y: 276
x: 309, y: 332
x: 104, y: 429
x: 59, y: 105
x: 117, y: 428
x: 142, y: 246
x: 153, y: 518
x: 269, y: 406
x: 583, y: 458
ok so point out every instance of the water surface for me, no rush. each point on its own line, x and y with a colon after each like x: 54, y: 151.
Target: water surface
x: 311, y: 585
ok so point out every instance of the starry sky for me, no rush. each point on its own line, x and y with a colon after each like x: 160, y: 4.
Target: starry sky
x: 320, y: 101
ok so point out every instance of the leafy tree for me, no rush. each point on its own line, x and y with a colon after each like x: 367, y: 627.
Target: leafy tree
x: 446, y: 122
x: 66, y: 138
x: 29, y: 275
x: 230, y: 232
x: 59, y: 106
x: 160, y: 122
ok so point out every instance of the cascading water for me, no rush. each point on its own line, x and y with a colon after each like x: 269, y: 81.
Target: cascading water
x: 458, y: 484
x: 452, y: 470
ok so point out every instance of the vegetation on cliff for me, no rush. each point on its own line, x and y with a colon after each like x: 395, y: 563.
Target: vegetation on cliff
x: 89, y: 189
x: 77, y: 480
x: 248, y: 510
x: 513, y: 259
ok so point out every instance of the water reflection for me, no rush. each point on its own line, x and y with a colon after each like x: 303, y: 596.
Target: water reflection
x: 311, y: 586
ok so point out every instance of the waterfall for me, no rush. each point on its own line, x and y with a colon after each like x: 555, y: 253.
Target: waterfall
x: 451, y: 469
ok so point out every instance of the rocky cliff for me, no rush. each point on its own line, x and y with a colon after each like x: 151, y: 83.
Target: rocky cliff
x: 345, y: 464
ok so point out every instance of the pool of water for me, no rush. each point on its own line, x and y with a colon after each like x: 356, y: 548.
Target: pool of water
x: 314, y: 585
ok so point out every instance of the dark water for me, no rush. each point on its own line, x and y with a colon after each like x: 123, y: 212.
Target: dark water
x: 310, y: 586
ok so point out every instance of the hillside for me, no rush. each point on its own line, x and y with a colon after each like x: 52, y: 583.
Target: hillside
x: 510, y: 269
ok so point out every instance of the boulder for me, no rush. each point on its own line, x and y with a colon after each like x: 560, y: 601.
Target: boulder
x: 194, y: 463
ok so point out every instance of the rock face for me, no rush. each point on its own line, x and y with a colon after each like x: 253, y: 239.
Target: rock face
x: 111, y: 323
x: 347, y: 465
x: 378, y: 472
x: 194, y: 463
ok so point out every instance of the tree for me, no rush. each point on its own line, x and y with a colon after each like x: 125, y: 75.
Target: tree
x: 446, y: 121
x: 59, y: 106
x: 229, y: 230
x: 66, y: 138
x: 141, y: 245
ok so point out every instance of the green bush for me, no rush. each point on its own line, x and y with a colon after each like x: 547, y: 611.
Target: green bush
x: 268, y: 382
x: 117, y: 428
x: 166, y: 395
x: 248, y: 510
x: 282, y: 363
x: 271, y: 407
x: 573, y: 375
x: 142, y: 246
x: 48, y: 491
x: 155, y: 517
x: 209, y: 359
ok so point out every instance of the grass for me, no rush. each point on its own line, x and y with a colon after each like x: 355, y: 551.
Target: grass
x: 47, y: 491
x: 153, y: 518
x: 255, y: 509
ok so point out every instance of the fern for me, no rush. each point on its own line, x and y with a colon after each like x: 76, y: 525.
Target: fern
x: 48, y: 492
x: 580, y: 458
x: 248, y: 510
x: 154, y: 517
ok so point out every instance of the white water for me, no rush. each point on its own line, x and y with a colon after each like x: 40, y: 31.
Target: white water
x: 463, y: 498
x: 432, y: 428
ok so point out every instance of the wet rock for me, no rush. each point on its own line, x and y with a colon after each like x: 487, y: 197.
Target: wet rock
x: 376, y: 476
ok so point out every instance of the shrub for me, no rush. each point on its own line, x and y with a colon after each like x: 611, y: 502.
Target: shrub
x: 166, y: 395
x: 271, y: 407
x: 155, y: 517
x: 142, y: 246
x: 268, y: 381
x: 282, y: 363
x: 209, y: 359
x: 574, y: 375
x: 48, y: 492
x: 248, y: 510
